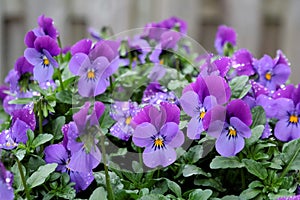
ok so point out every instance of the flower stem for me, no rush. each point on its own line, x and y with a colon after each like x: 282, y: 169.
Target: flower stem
x: 242, y: 175
x: 140, y: 156
x: 60, y: 62
x: 40, y: 116
x: 23, y: 179
x: 111, y: 85
x: 110, y: 194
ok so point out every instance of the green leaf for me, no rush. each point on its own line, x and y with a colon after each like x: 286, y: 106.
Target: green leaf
x: 256, y: 168
x: 190, y: 170
x: 245, y: 91
x: 30, y: 135
x: 174, y: 187
x: 291, y: 154
x: 65, y: 97
x: 258, y: 116
x: 211, y: 182
x: 256, y: 134
x: 99, y: 193
x: 256, y: 184
x: 18, y: 185
x: 137, y: 167
x: 194, y: 153
x: 39, y: 177
x: 250, y: 193
x: 57, y: 124
x: 20, y: 154
x: 220, y: 162
x: 199, y: 194
x: 41, y: 139
x: 21, y: 101
x: 237, y: 85
x: 154, y: 197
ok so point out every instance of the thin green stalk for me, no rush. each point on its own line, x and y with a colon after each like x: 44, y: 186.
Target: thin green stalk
x: 140, y: 156
x: 242, y: 174
x: 39, y: 104
x: 23, y: 179
x: 111, y: 85
x: 60, y: 62
x: 110, y: 194
x: 287, y: 168
x: 177, y: 62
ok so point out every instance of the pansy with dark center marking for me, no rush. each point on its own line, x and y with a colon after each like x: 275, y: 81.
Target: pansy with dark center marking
x: 224, y: 35
x: 42, y: 57
x: 273, y: 72
x: 230, y: 126
x: 201, y: 96
x: 156, y: 129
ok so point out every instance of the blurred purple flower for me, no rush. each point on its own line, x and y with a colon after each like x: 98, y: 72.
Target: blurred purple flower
x: 6, y: 181
x: 154, y: 30
x: 3, y: 88
x: 81, y: 138
x: 58, y: 153
x: 41, y: 56
x: 12, y: 79
x: 273, y: 72
x: 218, y: 66
x: 22, y: 66
x: 224, y: 35
x: 123, y: 112
x: 230, y: 126
x: 242, y: 61
x: 157, y: 130
x: 297, y: 197
x: 46, y: 27
x: 155, y: 94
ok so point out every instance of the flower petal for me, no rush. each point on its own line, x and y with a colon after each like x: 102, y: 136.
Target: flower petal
x: 33, y: 56
x: 43, y: 74
x: 194, y: 128
x: 229, y: 147
x: 143, y: 133
x: 154, y: 158
x: 56, y: 153
x: 242, y: 128
x: 81, y: 179
x: 189, y: 102
x: 238, y: 108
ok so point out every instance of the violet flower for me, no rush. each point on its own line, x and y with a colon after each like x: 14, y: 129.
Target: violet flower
x: 224, y: 35
x: 155, y: 94
x: 157, y: 130
x: 41, y: 56
x: 123, y: 112
x: 6, y: 181
x: 230, y: 126
x: 3, y: 88
x: 242, y: 61
x: 81, y: 138
x: 218, y: 66
x: 22, y: 66
x: 60, y: 154
x: 155, y: 29
x: 198, y: 101
x: 273, y: 72
x: 94, y: 65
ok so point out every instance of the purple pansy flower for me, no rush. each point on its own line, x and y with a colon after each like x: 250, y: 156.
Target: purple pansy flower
x: 230, y: 126
x: 297, y: 197
x: 138, y: 48
x: 157, y: 130
x: 94, y: 65
x: 58, y: 153
x: 198, y: 101
x: 242, y: 61
x: 224, y: 35
x: 12, y: 79
x: 123, y: 112
x: 41, y: 56
x: 218, y: 66
x: 6, y: 181
x: 155, y: 94
x: 22, y: 66
x: 154, y: 30
x: 22, y: 120
x: 3, y: 88
x: 273, y: 72
x: 81, y: 138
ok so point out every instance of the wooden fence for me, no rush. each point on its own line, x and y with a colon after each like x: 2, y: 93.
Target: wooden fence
x: 263, y: 26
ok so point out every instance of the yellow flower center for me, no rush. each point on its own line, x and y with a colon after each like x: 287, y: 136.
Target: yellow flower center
x: 159, y: 142
x: 268, y: 76
x: 231, y: 132
x: 128, y: 120
x: 293, y: 119
x: 202, y: 114
x: 46, y: 61
x: 91, y: 74
x: 161, y: 62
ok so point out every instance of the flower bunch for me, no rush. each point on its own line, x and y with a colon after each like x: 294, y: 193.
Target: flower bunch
x: 147, y: 117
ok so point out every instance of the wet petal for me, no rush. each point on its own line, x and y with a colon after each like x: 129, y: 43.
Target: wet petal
x: 161, y: 157
x: 229, y: 147
x: 56, y: 153
x: 143, y: 133
x: 189, y: 102
x: 81, y: 179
